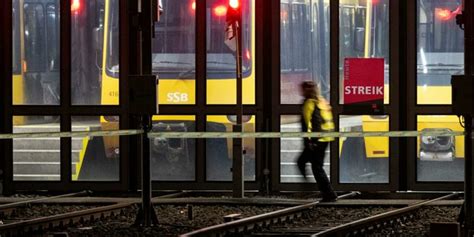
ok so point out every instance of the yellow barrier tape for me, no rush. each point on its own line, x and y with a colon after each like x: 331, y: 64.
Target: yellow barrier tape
x: 299, y: 134
x: 230, y: 134
x: 72, y: 134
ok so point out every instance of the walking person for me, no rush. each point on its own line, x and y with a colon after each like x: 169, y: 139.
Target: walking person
x: 316, y: 117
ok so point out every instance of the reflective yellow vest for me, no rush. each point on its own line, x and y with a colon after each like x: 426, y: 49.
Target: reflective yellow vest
x: 317, y: 117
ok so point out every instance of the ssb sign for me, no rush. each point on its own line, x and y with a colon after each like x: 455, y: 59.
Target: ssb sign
x: 363, y: 80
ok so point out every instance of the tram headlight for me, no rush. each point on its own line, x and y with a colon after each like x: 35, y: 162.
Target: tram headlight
x: 437, y: 143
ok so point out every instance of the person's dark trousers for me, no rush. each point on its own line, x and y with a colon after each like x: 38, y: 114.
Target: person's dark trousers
x: 315, y: 155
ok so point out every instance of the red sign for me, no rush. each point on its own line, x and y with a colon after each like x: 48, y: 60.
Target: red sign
x: 363, y: 80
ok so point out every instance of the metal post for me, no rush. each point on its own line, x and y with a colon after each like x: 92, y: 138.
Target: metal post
x: 146, y: 215
x: 468, y: 183
x: 237, y: 161
x: 469, y: 164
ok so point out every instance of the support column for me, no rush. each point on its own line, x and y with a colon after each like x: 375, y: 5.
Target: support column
x: 468, y: 18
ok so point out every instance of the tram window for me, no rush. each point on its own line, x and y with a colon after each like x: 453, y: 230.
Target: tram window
x: 52, y: 22
x: 35, y: 53
x: 16, y: 39
x: 220, y: 58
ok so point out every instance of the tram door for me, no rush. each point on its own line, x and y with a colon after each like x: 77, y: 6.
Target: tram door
x: 41, y: 59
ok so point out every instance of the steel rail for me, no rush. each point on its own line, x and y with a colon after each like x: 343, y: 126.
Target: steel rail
x: 48, y: 222
x: 9, y: 207
x: 250, y: 222
x: 369, y: 222
x: 43, y: 223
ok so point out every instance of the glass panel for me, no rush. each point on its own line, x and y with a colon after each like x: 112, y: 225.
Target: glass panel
x: 440, y: 50
x: 219, y: 150
x: 291, y: 149
x: 221, y: 65
x: 87, y: 41
x: 39, y: 82
x: 364, y: 160
x: 304, y: 32
x: 440, y: 158
x: 174, y: 51
x: 110, y: 68
x: 36, y: 159
x: 16, y: 37
x: 95, y: 158
x: 364, y: 33
x: 173, y: 159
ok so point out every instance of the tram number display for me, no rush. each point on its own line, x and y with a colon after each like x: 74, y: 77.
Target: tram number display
x: 363, y: 80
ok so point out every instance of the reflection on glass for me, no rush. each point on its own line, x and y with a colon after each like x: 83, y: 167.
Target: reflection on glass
x: 440, y: 50
x: 364, y: 160
x: 219, y: 150
x: 174, y: 50
x: 105, y: 46
x: 87, y: 41
x: 440, y: 158
x: 291, y: 149
x: 89, y: 157
x: 221, y: 64
x: 36, y: 80
x: 36, y: 159
x: 364, y: 33
x: 173, y: 159
x: 304, y: 47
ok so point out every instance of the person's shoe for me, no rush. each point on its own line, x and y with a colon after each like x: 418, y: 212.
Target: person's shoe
x: 329, y: 198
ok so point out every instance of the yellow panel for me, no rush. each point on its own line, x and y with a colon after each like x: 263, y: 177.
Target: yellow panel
x: 376, y: 147
x: 224, y: 91
x: 434, y: 94
x: 18, y: 97
x: 110, y: 90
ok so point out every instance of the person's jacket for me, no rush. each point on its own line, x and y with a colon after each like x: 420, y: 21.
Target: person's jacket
x: 317, y: 117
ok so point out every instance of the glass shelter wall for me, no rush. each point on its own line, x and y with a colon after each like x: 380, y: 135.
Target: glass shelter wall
x: 364, y: 33
x: 364, y: 159
x: 191, y: 52
x: 304, y: 47
x: 36, y: 159
x: 439, y: 158
x: 88, y: 20
x: 36, y: 52
x: 440, y: 52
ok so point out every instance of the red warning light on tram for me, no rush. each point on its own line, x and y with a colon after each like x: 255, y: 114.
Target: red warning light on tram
x: 220, y: 10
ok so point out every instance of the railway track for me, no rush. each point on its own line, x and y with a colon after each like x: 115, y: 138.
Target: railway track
x: 247, y: 224
x: 9, y: 208
x: 24, y: 227
x: 369, y: 224
x: 272, y: 224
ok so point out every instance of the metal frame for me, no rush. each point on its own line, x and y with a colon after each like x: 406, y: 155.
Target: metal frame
x: 402, y: 108
x: 413, y: 109
x: 200, y: 110
x: 65, y: 110
x: 5, y: 69
x: 391, y: 109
